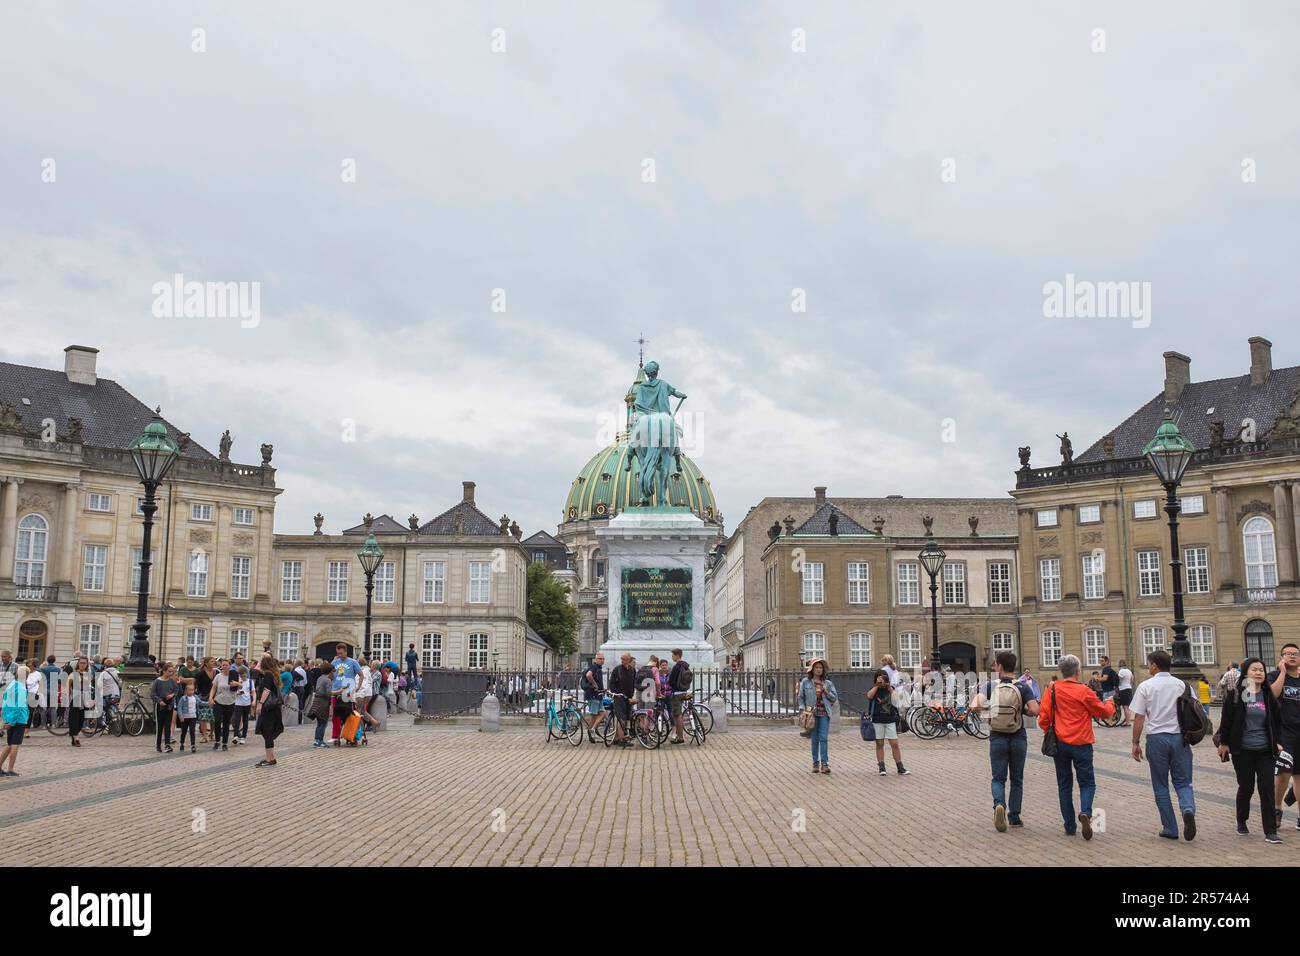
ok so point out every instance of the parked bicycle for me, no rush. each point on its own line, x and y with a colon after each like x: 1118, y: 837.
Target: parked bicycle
x: 565, y: 721
x: 939, y: 720
x: 642, y: 724
x: 697, y: 719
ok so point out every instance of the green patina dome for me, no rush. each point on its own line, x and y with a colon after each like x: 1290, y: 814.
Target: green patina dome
x: 605, y: 487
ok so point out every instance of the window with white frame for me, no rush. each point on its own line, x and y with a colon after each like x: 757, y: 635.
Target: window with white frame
x: 1094, y: 646
x: 200, y: 511
x: 1153, y: 639
x: 1045, y: 518
x: 859, y: 582
x: 381, y: 647
x: 137, y: 555
x: 1049, y: 576
x: 198, y: 574
x: 95, y: 567
x: 243, y: 516
x: 1197, y: 563
x: 909, y: 650
x: 909, y: 584
x: 1202, y: 638
x: 1004, y: 641
x: 1261, y: 553
x: 954, y: 582
x: 435, y: 582
x: 1052, y: 647
x: 1192, y: 504
x: 1089, y: 514
x: 88, y: 639
x: 31, y: 550
x: 336, y: 591
x: 1145, y: 508
x: 239, y: 641
x: 999, y: 582
x: 241, y: 574
x: 385, y: 582
x: 1149, y: 573
x: 480, y: 582
x: 291, y: 581
x: 1094, y: 575
x: 814, y: 584
x: 477, y: 647
x: 431, y: 650
x: 814, y: 645
x: 99, y: 502
x: 286, y: 645
x: 859, y: 650
x: 139, y: 505
x: 196, y: 642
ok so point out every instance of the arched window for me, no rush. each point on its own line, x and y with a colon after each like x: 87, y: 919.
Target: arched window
x: 1094, y: 646
x: 859, y: 650
x: 597, y: 567
x: 286, y: 645
x: 1202, y: 638
x: 1053, y: 647
x: 1260, y: 552
x: 909, y: 650
x: 1259, y: 641
x: 1153, y: 639
x: 431, y: 650
x: 89, y: 638
x: 814, y: 645
x: 33, y: 546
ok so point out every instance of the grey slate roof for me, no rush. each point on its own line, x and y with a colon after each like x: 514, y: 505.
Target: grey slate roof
x: 902, y: 515
x: 533, y: 637
x: 819, y: 523
x: 543, y: 540
x: 384, y: 524
x: 111, y: 417
x: 1233, y: 399
x: 476, y: 522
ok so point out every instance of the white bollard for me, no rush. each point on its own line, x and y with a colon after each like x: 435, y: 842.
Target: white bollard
x: 490, y: 715
x: 718, y: 706
x: 380, y: 711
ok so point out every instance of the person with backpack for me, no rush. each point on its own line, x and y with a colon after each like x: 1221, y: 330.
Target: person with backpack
x: 1284, y: 684
x: 1065, y: 717
x: 680, y: 679
x: 1008, y: 702
x: 1250, y: 732
x: 593, y: 692
x: 1156, y: 709
x: 883, y: 717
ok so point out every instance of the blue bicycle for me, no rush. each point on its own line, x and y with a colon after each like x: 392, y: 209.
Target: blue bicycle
x: 564, y: 722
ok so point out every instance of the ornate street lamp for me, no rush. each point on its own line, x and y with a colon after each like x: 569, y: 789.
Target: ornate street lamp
x: 932, y: 557
x: 370, y: 555
x: 1170, y: 454
x: 153, y: 455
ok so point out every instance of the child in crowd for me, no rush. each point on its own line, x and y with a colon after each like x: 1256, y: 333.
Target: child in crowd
x: 187, y: 713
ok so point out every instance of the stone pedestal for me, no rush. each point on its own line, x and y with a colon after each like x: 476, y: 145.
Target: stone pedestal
x: 654, y: 561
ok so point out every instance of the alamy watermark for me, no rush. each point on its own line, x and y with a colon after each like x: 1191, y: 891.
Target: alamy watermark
x: 1085, y: 299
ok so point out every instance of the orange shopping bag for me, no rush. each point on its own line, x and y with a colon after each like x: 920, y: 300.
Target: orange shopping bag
x: 350, y: 726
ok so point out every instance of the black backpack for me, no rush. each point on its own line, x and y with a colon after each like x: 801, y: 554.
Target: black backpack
x: 1192, y: 721
x: 684, y: 678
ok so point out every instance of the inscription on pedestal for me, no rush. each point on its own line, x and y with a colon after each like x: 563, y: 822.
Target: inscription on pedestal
x: 656, y: 599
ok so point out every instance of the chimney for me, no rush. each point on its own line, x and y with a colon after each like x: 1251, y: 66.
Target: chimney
x: 1261, y: 359
x: 820, y: 493
x: 79, y: 364
x: 469, y: 492
x: 1178, y: 372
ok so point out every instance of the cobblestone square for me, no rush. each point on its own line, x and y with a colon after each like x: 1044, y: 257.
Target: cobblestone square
x: 448, y: 795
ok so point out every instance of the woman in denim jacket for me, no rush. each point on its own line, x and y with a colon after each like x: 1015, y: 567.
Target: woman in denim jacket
x: 817, y: 693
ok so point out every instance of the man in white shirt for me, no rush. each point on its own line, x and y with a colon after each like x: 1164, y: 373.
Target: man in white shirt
x: 1155, y: 706
x: 1124, y: 696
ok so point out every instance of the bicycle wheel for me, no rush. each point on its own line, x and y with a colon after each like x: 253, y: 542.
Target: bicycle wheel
x: 571, y: 726
x: 705, y: 717
x: 694, y: 729
x: 605, y: 727
x: 133, y: 719
x: 647, y: 733
x: 974, y: 726
x: 115, y: 725
x: 58, y: 725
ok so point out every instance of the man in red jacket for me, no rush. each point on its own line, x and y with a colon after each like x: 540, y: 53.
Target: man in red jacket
x: 1068, y: 707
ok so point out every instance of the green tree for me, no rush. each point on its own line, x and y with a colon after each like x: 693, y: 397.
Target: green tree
x: 549, y: 612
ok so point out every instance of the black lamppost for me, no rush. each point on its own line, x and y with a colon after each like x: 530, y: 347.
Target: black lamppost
x: 153, y: 455
x: 370, y: 555
x: 932, y: 557
x: 1170, y: 454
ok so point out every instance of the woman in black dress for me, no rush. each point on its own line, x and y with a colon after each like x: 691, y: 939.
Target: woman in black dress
x: 267, y: 706
x: 81, y: 698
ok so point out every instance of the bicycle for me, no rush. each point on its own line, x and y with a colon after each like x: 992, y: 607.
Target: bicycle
x: 134, y: 716
x: 939, y: 720
x: 694, y: 723
x: 1116, y: 717
x: 564, y: 722
x: 642, y: 725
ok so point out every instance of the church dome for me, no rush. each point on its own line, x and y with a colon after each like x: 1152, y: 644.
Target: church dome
x: 605, y: 488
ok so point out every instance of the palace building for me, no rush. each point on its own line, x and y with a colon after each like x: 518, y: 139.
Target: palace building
x: 1094, y: 537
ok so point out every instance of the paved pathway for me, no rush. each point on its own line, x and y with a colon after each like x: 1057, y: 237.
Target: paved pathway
x: 451, y: 796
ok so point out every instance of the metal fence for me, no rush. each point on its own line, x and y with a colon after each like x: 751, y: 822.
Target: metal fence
x: 771, y: 694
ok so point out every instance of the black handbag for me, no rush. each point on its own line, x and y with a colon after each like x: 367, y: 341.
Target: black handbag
x: 867, y: 728
x: 1049, y: 735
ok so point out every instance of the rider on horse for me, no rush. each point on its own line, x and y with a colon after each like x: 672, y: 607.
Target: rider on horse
x: 652, y: 435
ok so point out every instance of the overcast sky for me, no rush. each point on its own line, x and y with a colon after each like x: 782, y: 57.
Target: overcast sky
x: 828, y: 169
